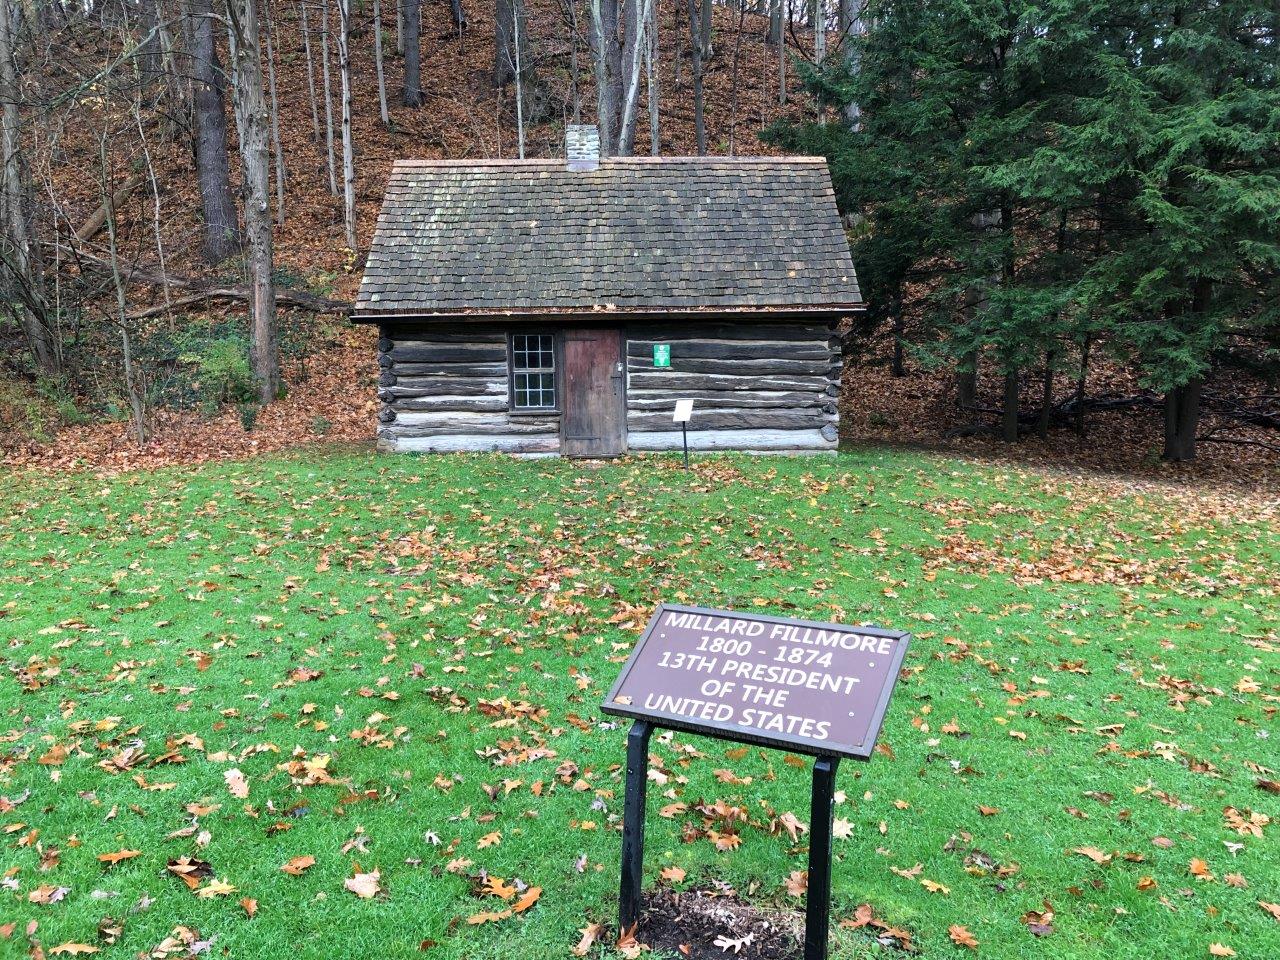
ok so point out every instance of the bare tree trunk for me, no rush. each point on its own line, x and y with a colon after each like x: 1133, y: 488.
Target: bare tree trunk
x: 818, y: 10
x: 515, y: 29
x: 607, y: 50
x: 699, y: 44
x: 513, y: 60
x: 633, y: 28
x: 733, y: 83
x: 774, y: 36
x: 311, y: 74
x: 328, y: 98
x: 1181, y: 421
x: 400, y: 27
x: 1046, y: 398
x: 251, y: 110
x: 377, y: 59
x: 221, y: 231
x: 348, y: 145
x: 651, y: 70
x: 899, y: 342
x: 275, y: 114
x: 133, y: 389
x: 155, y: 205
x: 782, y: 56
x: 575, y: 71
x: 412, y: 93
x: 851, y: 34
x: 19, y: 254
x: 1009, y: 428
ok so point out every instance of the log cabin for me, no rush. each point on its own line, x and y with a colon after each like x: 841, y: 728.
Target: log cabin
x: 563, y: 306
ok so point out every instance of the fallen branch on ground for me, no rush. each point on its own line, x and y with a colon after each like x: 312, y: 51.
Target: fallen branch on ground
x: 201, y: 291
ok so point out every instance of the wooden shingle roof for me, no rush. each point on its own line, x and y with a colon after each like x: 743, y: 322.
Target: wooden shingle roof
x: 650, y: 236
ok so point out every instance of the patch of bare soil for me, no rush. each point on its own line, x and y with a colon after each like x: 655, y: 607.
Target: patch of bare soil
x: 709, y: 925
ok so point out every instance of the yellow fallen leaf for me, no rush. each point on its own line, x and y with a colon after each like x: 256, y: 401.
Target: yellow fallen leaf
x: 488, y: 916
x: 1220, y: 950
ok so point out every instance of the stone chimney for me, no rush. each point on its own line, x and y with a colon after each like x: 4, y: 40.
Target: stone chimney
x: 582, y: 146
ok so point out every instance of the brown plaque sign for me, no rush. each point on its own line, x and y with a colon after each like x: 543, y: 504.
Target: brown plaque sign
x: 817, y: 688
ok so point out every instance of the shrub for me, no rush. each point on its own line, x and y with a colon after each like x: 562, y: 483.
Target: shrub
x: 222, y: 370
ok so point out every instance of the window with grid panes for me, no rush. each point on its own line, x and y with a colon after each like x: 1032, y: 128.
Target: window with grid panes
x: 533, y: 371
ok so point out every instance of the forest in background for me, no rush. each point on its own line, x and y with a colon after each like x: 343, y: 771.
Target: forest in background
x: 1062, y: 214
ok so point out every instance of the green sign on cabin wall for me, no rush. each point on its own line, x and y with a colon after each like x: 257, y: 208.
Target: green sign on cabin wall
x: 662, y: 354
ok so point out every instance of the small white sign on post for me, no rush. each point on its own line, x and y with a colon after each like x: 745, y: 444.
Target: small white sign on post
x: 684, y: 410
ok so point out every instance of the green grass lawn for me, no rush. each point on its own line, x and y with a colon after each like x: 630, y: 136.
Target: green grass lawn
x: 404, y: 658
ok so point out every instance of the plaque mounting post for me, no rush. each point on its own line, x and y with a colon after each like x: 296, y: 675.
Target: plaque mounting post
x: 633, y: 825
x: 817, y: 907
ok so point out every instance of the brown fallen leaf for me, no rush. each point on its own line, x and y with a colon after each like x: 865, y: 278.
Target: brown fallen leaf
x: 1147, y: 883
x: 797, y: 883
x: 1271, y: 908
x: 962, y: 937
x: 1094, y: 854
x: 73, y: 949
x: 1199, y: 869
x: 590, y: 933
x: 498, y: 887
x: 111, y: 859
x: 249, y: 905
x: 1220, y: 950
x: 527, y: 900
x: 489, y: 840
x: 297, y: 865
x: 1271, y: 786
x: 988, y: 811
x: 673, y: 874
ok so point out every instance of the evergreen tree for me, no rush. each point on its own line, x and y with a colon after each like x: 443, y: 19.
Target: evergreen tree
x: 1058, y: 172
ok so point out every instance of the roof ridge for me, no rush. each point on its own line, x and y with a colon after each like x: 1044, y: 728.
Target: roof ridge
x: 605, y: 162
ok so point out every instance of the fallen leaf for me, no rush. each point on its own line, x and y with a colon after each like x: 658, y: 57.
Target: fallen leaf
x: 364, y: 885
x: 113, y: 858
x: 250, y: 906
x: 297, y: 865
x: 673, y: 874
x: 74, y: 949
x: 527, y: 900
x: 962, y: 937
x: 797, y: 883
x: 236, y: 783
x: 1220, y: 950
x: 1271, y: 908
x: 1094, y: 854
x: 589, y: 935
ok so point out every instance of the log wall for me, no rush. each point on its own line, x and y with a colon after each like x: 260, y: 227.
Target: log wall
x: 444, y: 389
x: 754, y: 387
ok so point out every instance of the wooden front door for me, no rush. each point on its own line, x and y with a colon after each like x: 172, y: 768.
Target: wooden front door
x: 594, y: 421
